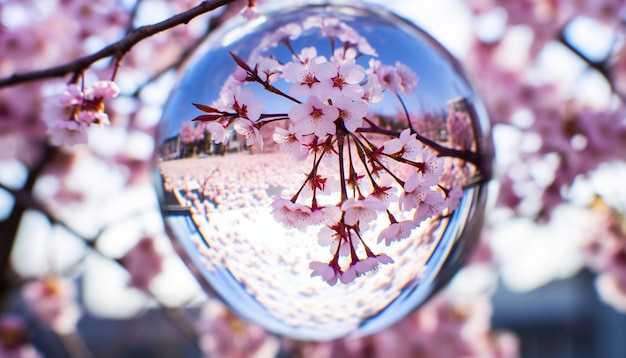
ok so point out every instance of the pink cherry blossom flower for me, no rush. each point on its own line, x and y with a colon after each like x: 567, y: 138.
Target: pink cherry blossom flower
x: 222, y: 334
x: 373, y: 92
x: 364, y: 210
x: 249, y: 131
x: 314, y: 117
x: 345, y: 82
x: 52, y: 301
x: 269, y: 69
x: 612, y: 290
x: 71, y: 96
x: 396, y: 231
x: 329, y: 272
x: 102, y: 89
x: 14, y: 340
x: 283, y: 34
x: 306, y: 77
x: 351, y: 111
x: 371, y: 263
x: 290, y: 142
x: 249, y: 12
x: 85, y: 107
x: 453, y: 199
x: 242, y: 102
x: 90, y: 117
x: 416, y: 191
x: 432, y: 204
x: 350, y: 274
x: 407, y: 78
x: 328, y: 236
x: 406, y: 145
x: 143, y: 262
x: 395, y: 79
x: 291, y: 214
x: 433, y: 166
x: 67, y: 132
x: 217, y: 131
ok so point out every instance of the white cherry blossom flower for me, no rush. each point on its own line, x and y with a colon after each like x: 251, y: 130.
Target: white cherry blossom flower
x: 345, y: 82
x: 269, y: 69
x: 217, y: 131
x: 371, y: 263
x: 432, y: 204
x: 433, y: 166
x: 327, y: 271
x: 351, y: 111
x: 67, y: 132
x: 290, y: 142
x: 314, y: 117
x: 453, y: 198
x: 396, y: 231
x: 291, y: 214
x: 407, y: 79
x: 364, y: 210
x: 52, y: 301
x: 328, y: 236
x: 415, y: 192
x: 306, y: 77
x: 241, y: 101
x: 247, y: 129
x: 406, y: 145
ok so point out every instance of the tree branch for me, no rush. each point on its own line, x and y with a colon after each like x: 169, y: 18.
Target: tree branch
x: 601, y: 67
x: 117, y: 49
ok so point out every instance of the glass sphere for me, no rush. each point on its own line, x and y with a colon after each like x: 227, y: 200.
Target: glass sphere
x: 323, y: 168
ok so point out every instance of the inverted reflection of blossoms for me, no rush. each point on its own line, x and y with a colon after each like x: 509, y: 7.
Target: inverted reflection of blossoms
x: 316, y: 159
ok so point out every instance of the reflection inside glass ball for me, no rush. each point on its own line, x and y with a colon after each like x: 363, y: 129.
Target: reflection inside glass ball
x: 323, y: 169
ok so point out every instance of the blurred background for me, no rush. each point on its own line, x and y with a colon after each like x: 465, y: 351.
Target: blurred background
x: 89, y: 271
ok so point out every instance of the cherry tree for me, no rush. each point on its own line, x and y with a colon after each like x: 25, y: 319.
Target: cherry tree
x: 82, y: 84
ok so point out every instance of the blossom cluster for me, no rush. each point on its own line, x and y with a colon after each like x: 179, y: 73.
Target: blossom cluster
x: 360, y: 170
x: 83, y: 107
x: 605, y: 253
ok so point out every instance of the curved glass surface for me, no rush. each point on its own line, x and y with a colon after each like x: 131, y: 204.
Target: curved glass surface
x: 323, y: 169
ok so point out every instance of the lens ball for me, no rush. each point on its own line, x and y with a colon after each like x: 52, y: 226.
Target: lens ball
x: 323, y: 168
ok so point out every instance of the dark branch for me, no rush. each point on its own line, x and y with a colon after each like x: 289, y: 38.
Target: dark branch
x: 117, y: 49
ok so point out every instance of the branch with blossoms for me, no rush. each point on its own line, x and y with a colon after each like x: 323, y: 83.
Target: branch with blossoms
x: 397, y: 171
x: 117, y: 49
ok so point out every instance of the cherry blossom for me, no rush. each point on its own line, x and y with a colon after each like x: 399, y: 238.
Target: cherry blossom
x: 406, y: 145
x: 52, y: 301
x: 307, y: 77
x: 417, y: 191
x: 314, y: 117
x: 67, y: 132
x: 249, y: 131
x: 14, y: 339
x: 217, y: 131
x: 398, y: 78
x: 346, y: 82
x: 361, y: 210
x: 291, y: 142
x: 291, y: 214
x: 329, y: 272
x: 242, y: 102
x: 352, y: 112
x: 396, y: 231
x: 143, y: 262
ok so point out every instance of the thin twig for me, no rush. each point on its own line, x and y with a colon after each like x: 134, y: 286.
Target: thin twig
x: 117, y: 49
